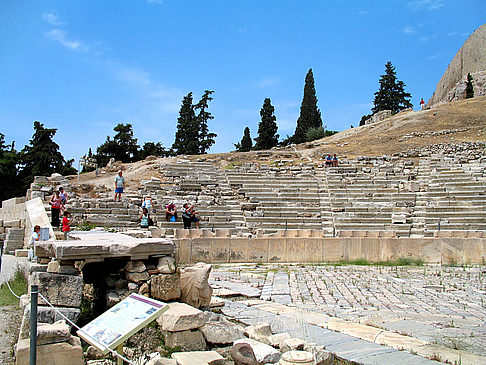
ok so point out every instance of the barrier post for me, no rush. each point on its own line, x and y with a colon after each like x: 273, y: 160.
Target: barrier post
x: 34, y: 291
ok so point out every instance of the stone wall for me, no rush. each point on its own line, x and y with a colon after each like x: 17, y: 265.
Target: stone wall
x: 13, y: 216
x: 444, y: 249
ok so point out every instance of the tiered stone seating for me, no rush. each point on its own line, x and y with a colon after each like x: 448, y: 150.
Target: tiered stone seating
x: 457, y: 200
x: 369, y: 199
x: 281, y: 199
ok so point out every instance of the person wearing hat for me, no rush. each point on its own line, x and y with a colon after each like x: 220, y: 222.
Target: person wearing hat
x: 119, y: 185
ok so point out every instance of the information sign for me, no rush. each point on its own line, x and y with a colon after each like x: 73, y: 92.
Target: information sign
x: 121, y: 321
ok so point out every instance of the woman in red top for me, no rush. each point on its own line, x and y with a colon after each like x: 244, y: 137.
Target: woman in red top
x: 56, y: 206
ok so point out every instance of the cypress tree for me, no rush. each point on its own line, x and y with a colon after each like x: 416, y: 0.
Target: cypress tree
x: 246, y: 143
x: 205, y: 138
x: 187, y: 134
x: 469, y: 87
x: 391, y: 95
x: 123, y: 147
x: 310, y: 116
x: 267, y: 128
x: 42, y: 156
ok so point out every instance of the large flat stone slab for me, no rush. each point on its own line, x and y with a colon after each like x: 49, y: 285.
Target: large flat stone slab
x: 99, y: 245
x: 198, y: 358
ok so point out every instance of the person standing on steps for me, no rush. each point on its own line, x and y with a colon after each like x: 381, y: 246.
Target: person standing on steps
x: 63, y: 195
x: 119, y: 185
x: 422, y: 104
x: 56, y: 206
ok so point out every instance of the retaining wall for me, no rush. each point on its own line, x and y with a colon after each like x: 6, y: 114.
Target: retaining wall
x: 315, y: 250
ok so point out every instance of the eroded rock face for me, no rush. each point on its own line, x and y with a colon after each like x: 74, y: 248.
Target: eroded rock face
x: 165, y: 287
x: 195, y: 288
x: 469, y: 59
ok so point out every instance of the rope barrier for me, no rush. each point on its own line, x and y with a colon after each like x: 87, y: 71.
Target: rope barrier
x: 9, y: 288
x: 86, y: 334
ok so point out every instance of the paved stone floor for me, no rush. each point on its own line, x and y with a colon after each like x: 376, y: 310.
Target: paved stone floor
x: 442, y: 307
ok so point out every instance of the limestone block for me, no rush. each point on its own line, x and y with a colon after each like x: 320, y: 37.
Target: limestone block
x: 264, y: 353
x: 60, y: 290
x: 137, y: 276
x: 53, y: 266
x: 52, y: 354
x: 277, y: 339
x: 195, y: 288
x: 259, y: 332
x: 165, y: 287
x: 198, y: 358
x: 181, y: 317
x: 14, y: 223
x: 292, y: 344
x: 135, y: 266
x: 218, y: 330
x: 166, y: 265
x: 52, y: 333
x: 156, y: 359
x: 322, y: 356
x: 398, y: 218
x: 186, y: 340
x: 144, y: 289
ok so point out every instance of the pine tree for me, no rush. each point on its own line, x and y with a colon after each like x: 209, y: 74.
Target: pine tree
x: 391, y: 95
x: 267, y: 128
x: 469, y: 87
x: 310, y: 116
x: 153, y: 149
x: 42, y: 156
x: 9, y: 186
x: 205, y: 138
x: 246, y: 143
x: 187, y: 134
x: 122, y: 148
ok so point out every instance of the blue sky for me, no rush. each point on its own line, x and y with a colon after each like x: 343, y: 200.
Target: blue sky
x: 84, y: 66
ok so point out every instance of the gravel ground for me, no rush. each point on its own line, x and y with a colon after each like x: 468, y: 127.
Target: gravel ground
x: 10, y: 317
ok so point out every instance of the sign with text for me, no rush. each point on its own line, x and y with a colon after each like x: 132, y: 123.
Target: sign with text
x: 121, y: 321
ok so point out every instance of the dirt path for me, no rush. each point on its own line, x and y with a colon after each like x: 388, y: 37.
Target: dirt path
x: 10, y: 317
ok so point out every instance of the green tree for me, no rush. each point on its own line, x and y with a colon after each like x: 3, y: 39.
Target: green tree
x: 391, y: 95
x: 267, y: 128
x: 469, y: 87
x: 315, y: 133
x: 153, y: 149
x: 246, y: 143
x: 89, y: 155
x: 187, y: 133
x: 205, y: 138
x: 364, y: 118
x: 42, y: 156
x: 123, y: 147
x: 9, y: 158
x: 310, y: 116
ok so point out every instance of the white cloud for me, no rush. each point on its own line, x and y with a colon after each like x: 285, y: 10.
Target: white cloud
x: 51, y: 18
x: 61, y: 37
x: 424, y: 39
x: 363, y: 12
x: 426, y: 4
x: 269, y: 81
x: 408, y: 30
x: 132, y: 75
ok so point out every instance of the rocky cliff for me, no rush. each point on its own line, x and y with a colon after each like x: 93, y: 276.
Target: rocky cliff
x: 470, y: 58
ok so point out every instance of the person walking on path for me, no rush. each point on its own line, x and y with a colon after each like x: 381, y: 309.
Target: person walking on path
x: 56, y: 206
x: 119, y: 185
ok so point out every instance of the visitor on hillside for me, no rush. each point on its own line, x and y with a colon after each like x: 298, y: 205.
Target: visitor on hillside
x: 334, y: 161
x: 119, y: 185
x: 422, y: 104
x: 63, y: 195
x: 171, y: 213
x: 147, y: 203
x: 66, y: 224
x: 144, y: 218
x: 189, y: 216
x: 329, y: 160
x: 56, y: 206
